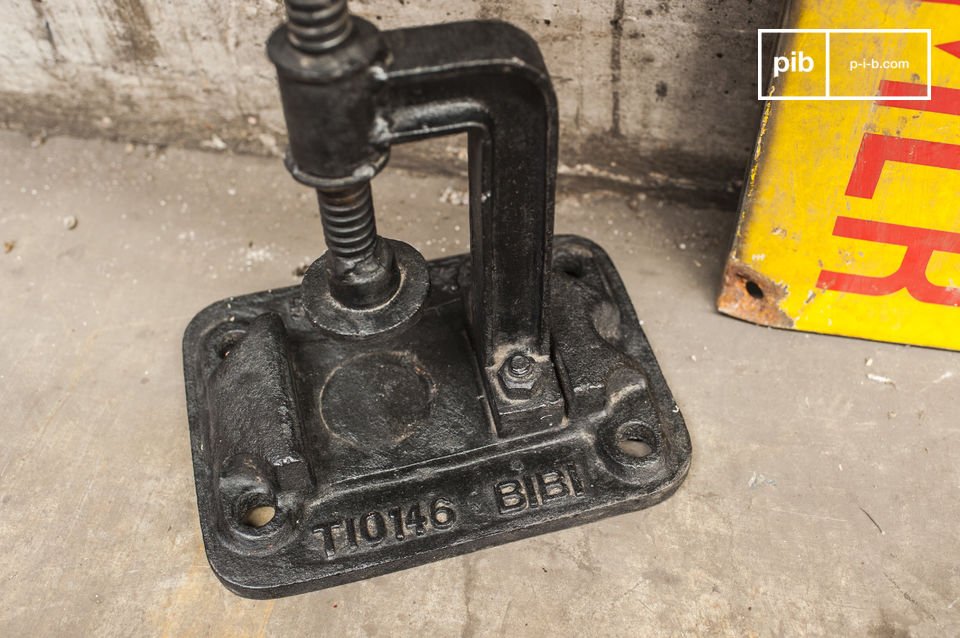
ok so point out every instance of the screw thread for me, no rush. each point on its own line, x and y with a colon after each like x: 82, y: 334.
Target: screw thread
x: 314, y: 26
x: 520, y: 365
x: 349, y: 226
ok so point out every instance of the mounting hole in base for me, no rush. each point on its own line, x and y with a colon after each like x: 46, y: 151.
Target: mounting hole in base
x: 754, y: 290
x: 259, y: 516
x: 228, y: 341
x: 636, y: 441
x: 635, y: 447
x: 571, y: 263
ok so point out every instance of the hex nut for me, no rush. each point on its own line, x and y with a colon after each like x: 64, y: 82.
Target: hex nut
x: 518, y: 386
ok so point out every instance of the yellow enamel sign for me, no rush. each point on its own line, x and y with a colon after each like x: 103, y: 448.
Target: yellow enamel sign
x: 850, y: 218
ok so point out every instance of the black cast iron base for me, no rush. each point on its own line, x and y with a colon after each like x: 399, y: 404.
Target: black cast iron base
x: 381, y: 455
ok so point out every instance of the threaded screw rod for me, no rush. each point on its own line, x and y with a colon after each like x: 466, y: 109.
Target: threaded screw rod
x: 314, y: 26
x: 349, y: 224
x: 360, y: 268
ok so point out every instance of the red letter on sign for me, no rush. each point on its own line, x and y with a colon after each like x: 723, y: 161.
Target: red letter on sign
x: 942, y: 99
x: 877, y: 149
x: 912, y: 274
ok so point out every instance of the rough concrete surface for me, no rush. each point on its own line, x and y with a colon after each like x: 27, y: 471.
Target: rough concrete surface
x: 649, y: 91
x: 822, y: 499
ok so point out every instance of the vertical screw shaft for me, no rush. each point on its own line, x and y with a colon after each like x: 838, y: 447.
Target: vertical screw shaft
x: 314, y: 26
x: 360, y: 267
x: 349, y: 225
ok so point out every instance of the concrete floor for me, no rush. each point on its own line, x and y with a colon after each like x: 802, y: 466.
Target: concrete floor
x: 820, y: 502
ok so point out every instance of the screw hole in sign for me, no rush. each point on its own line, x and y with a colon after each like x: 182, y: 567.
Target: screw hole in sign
x: 754, y: 290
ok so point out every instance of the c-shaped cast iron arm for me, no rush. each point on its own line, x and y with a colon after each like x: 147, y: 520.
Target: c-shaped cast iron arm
x: 493, y: 85
x: 346, y: 107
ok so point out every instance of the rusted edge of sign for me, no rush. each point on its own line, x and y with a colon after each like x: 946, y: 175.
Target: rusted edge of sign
x: 750, y: 295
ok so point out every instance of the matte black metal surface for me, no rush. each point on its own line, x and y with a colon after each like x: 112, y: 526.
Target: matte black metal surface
x: 388, y: 412
x: 380, y: 456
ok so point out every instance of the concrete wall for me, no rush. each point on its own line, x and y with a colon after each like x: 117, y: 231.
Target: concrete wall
x: 657, y: 94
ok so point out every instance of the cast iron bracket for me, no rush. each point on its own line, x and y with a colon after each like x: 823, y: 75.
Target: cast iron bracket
x: 389, y: 412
